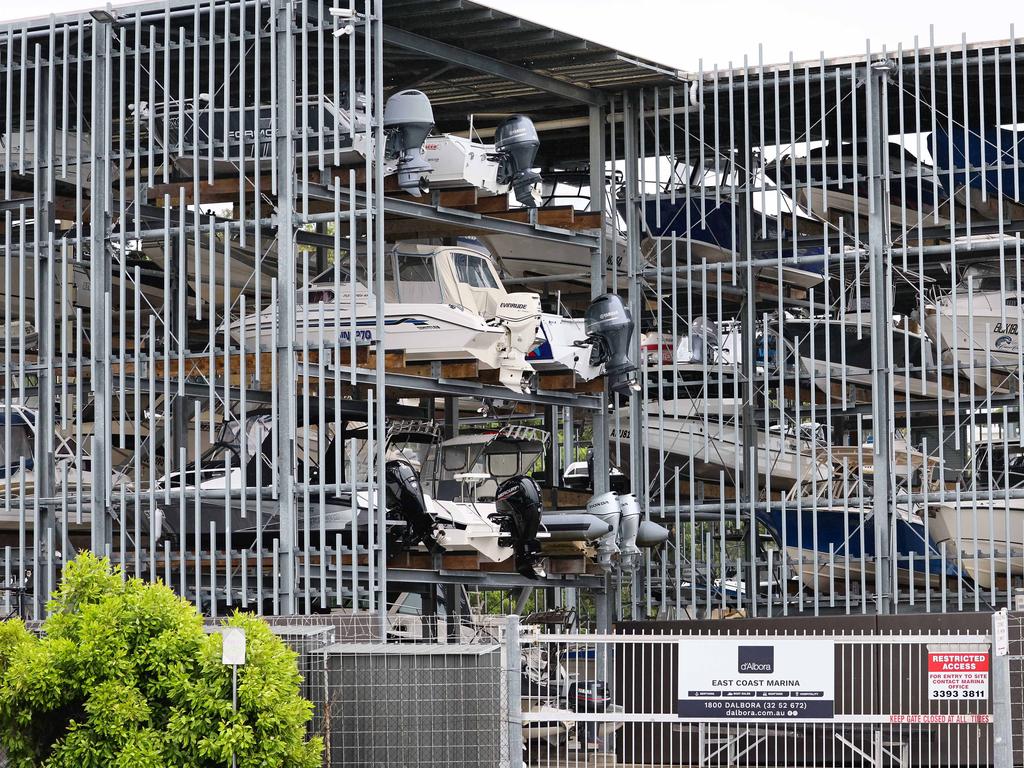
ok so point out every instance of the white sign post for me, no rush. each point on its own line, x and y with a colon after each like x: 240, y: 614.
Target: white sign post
x: 756, y: 678
x: 233, y: 655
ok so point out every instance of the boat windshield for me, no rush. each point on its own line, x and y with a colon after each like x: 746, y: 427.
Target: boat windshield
x: 417, y: 278
x: 474, y: 270
x: 19, y: 448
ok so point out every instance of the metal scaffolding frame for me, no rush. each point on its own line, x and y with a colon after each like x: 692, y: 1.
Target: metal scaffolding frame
x: 799, y: 245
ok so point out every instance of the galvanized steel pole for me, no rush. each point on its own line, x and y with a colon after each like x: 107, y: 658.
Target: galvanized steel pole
x: 881, y: 320
x: 286, y: 389
x: 99, y: 288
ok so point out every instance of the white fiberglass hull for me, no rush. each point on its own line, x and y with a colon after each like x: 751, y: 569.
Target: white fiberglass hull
x: 714, y: 447
x: 988, y: 537
x: 789, y: 275
x: 553, y: 259
x: 832, y: 374
x: 979, y: 331
x: 423, y: 331
x: 831, y: 205
x: 558, y: 350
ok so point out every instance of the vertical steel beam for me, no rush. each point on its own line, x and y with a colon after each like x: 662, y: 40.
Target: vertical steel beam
x: 632, y: 124
x: 750, y: 490
x: 44, y: 248
x: 286, y: 389
x: 1002, y: 710
x: 99, y: 288
x: 881, y: 319
x: 598, y: 265
x: 513, y: 676
x: 377, y: 76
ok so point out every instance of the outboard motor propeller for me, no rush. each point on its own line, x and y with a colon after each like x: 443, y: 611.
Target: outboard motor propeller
x: 404, y: 496
x: 609, y: 328
x: 516, y: 144
x: 409, y: 118
x: 518, y: 512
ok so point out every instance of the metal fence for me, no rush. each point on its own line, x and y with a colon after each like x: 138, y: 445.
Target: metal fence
x: 839, y: 699
x: 475, y: 690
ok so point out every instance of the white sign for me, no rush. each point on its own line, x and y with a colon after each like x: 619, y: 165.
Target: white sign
x: 756, y: 678
x: 1001, y: 632
x: 233, y: 649
x: 957, y: 674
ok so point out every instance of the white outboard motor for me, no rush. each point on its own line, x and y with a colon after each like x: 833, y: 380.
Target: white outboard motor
x: 702, y: 340
x: 629, y: 526
x: 606, y: 508
x: 516, y: 144
x: 408, y: 119
x: 609, y: 328
x: 520, y: 314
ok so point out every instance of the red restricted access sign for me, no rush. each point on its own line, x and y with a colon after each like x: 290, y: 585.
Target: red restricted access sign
x: 958, y: 675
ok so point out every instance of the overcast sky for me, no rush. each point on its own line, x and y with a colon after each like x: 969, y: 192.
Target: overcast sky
x: 681, y: 32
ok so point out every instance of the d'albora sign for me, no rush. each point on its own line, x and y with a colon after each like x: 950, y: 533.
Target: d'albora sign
x: 760, y: 678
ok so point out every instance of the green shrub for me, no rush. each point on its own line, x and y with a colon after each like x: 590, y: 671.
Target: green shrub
x: 125, y: 677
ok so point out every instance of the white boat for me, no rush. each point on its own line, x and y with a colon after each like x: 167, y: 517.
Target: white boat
x: 984, y: 532
x: 979, y: 323
x: 563, y: 263
x: 839, y: 351
x: 205, y: 141
x: 699, y: 229
x: 707, y: 434
x: 910, y: 466
x: 19, y: 471
x: 832, y: 182
x: 984, y: 536
x: 240, y: 463
x: 440, y: 304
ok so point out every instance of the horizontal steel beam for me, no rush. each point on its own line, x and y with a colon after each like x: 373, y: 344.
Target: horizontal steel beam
x: 485, y: 64
x: 460, y: 218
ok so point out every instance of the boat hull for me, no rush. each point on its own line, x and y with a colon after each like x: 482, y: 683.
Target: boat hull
x: 986, y: 537
x: 977, y: 334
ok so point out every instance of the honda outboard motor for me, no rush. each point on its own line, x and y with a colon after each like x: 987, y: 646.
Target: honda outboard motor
x: 609, y: 328
x: 629, y: 526
x: 404, y: 496
x: 518, y: 511
x: 516, y: 144
x: 408, y: 119
x: 606, y: 508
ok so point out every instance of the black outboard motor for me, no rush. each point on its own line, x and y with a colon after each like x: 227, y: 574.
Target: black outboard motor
x: 518, y: 512
x: 408, y: 119
x: 516, y: 144
x: 609, y: 328
x: 589, y: 696
x: 404, y: 496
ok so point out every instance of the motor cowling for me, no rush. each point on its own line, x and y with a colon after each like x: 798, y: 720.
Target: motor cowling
x: 404, y: 497
x: 589, y: 696
x: 629, y: 526
x: 518, y: 510
x: 408, y: 120
x: 605, y: 506
x: 609, y: 328
x: 516, y: 143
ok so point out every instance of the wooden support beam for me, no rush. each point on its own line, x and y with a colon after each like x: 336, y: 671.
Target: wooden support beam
x: 215, y: 191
